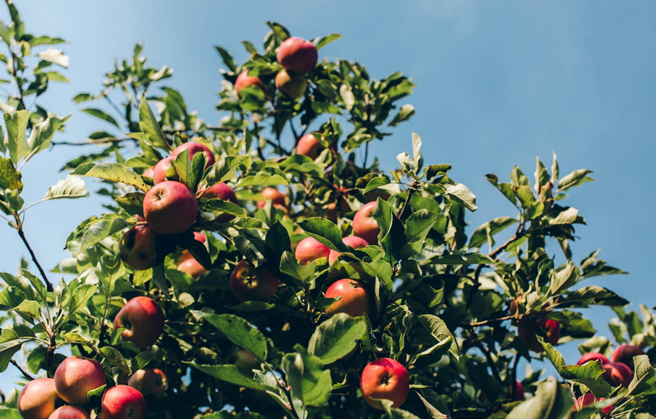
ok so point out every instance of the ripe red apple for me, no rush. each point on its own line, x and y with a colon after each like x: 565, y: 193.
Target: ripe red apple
x: 223, y: 192
x: 593, y: 356
x: 588, y: 399
x: 198, y: 237
x: 625, y: 353
x: 249, y: 283
x: 123, y: 402
x: 272, y: 194
x: 364, y: 224
x: 291, y: 84
x: 526, y: 332
x: 310, y: 249
x: 138, y: 247
x: 355, y: 299
x: 149, y: 381
x: 192, y: 267
x: 37, y: 399
x: 353, y: 241
x: 617, y: 374
x: 386, y: 379
x: 519, y: 391
x: 159, y: 172
x: 308, y: 145
x: 194, y: 148
x: 244, y: 80
x: 143, y: 321
x: 170, y: 208
x: 149, y: 172
x: 70, y: 412
x: 75, y: 377
x: 297, y: 55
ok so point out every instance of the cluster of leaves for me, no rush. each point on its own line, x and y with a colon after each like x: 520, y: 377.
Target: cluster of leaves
x: 444, y: 308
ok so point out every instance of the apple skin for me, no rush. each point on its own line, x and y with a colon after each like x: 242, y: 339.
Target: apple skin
x: 143, y: 321
x: 384, y: 378
x: 149, y: 381
x: 587, y: 400
x: 616, y: 374
x: 244, y: 80
x: 170, y: 208
x: 519, y: 392
x: 70, y: 412
x: 198, y: 237
x: 159, y: 172
x: 310, y: 249
x: 38, y: 399
x: 194, y: 148
x: 75, y: 377
x: 593, y: 356
x: 625, y: 353
x: 291, y: 84
x: 138, y: 247
x: 192, y: 267
x: 297, y: 55
x: 308, y: 145
x: 123, y: 402
x: 223, y: 192
x: 249, y: 283
x: 353, y: 241
x: 149, y: 172
x: 355, y: 301
x: 272, y: 194
x: 526, y: 333
x: 364, y: 224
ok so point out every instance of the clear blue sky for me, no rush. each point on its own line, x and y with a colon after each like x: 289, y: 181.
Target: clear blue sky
x: 498, y: 83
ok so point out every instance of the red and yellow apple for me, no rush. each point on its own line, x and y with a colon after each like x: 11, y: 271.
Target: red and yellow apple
x: 274, y: 195
x: 70, y: 412
x: 38, y: 399
x: 194, y: 148
x: 355, y: 298
x: 192, y: 267
x: 244, y: 80
x: 526, y: 332
x: 310, y: 249
x: 149, y: 381
x: 122, y: 402
x: 249, y: 283
x: 364, y: 224
x: 75, y: 377
x: 308, y: 145
x: 198, y: 236
x: 291, y: 84
x: 159, y: 172
x: 149, y: 172
x: 617, y: 374
x: 138, y: 247
x: 353, y: 241
x: 297, y: 55
x: 593, y: 356
x: 143, y: 321
x: 386, y: 379
x: 625, y: 353
x: 223, y: 192
x: 586, y: 400
x: 170, y: 208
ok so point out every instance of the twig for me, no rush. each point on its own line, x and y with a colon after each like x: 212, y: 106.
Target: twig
x: 490, y: 362
x: 22, y: 371
x: 513, y: 376
x: 83, y: 143
x: 411, y: 190
x: 484, y: 322
x: 21, y: 233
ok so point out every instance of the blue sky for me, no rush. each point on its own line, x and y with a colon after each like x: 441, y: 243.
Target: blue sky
x: 498, y: 83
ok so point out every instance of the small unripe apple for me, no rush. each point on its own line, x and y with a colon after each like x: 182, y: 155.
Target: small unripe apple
x: 138, y: 247
x: 519, y: 391
x: 70, y: 412
x: 123, y: 402
x: 308, y: 145
x: 38, y: 398
x: 170, y: 208
x: 586, y: 400
x: 298, y: 55
x: 143, y: 321
x: 353, y: 241
x: 198, y: 236
x: 223, y: 192
x: 149, y: 381
x: 272, y: 194
x: 75, y: 377
x: 355, y: 299
x: 194, y: 148
x: 617, y: 374
x: 625, y: 353
x: 244, y: 80
x: 364, y: 224
x: 386, y: 379
x: 249, y: 283
x: 310, y: 249
x: 291, y: 84
x: 192, y: 267
x: 159, y: 172
x: 593, y: 356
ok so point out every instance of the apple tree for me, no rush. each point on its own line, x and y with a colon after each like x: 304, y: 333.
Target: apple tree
x: 266, y: 266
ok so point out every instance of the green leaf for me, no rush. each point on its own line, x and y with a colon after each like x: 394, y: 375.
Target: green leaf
x: 551, y: 401
x: 9, y: 413
x: 462, y: 194
x: 227, y: 58
x: 307, y: 378
x: 485, y: 232
x: 150, y: 127
x: 114, y: 357
x: 70, y: 188
x: 336, y: 337
x: 404, y: 114
x: 592, y: 295
x: 591, y: 266
x: 417, y: 227
x: 322, y: 42
x: 7, y: 350
x: 114, y: 172
x: 644, y: 378
x: 55, y: 56
x: 505, y: 188
x: 439, y: 330
x: 42, y: 134
x: 324, y: 231
x: 563, y: 279
x: 100, y: 114
x: 10, y: 178
x: 16, y: 123
x: 228, y: 373
x: 289, y: 265
x: 574, y: 179
x: 93, y: 230
x: 80, y: 296
x: 131, y: 202
x: 239, y: 331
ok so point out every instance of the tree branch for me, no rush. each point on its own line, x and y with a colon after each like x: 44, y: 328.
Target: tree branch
x: 22, y: 371
x: 21, y: 233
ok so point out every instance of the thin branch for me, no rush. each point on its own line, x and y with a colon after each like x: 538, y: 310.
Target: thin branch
x: 411, y: 190
x: 513, y: 376
x: 500, y: 319
x: 22, y: 371
x: 21, y: 233
x: 105, y: 141
x: 490, y: 362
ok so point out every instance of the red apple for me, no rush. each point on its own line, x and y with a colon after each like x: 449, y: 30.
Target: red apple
x: 70, y: 412
x: 149, y: 172
x: 37, y: 399
x: 192, y: 267
x: 587, y: 400
x: 355, y: 299
x: 194, y: 148
x: 159, y: 172
x: 123, y: 402
x: 249, y: 283
x: 308, y: 145
x: 364, y: 224
x: 149, y: 381
x: 625, y: 353
x: 353, y: 241
x: 244, y: 80
x: 386, y: 379
x: 138, y: 247
x: 291, y: 84
x: 170, y: 208
x: 75, y: 377
x: 310, y: 249
x: 519, y: 391
x: 198, y: 237
x: 143, y: 321
x: 593, y: 356
x: 617, y: 374
x: 297, y: 55
x: 223, y: 192
x: 272, y: 194
x: 526, y: 332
